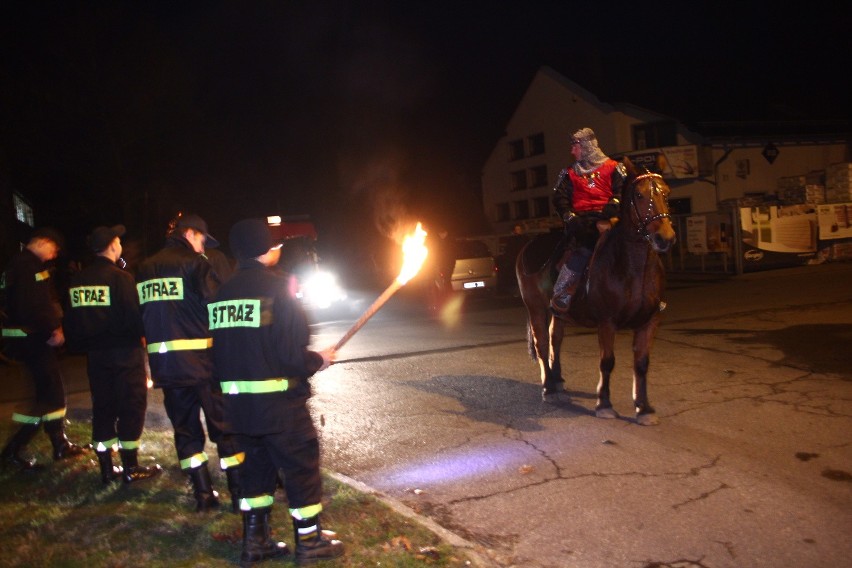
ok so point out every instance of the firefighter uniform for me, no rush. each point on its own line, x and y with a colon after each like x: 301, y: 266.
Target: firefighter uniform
x: 262, y: 361
x: 104, y: 321
x: 174, y: 287
x: 32, y: 328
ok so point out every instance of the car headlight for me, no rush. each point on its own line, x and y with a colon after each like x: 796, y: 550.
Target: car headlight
x: 320, y: 289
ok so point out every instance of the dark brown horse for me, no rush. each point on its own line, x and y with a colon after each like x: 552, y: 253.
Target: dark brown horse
x: 621, y: 289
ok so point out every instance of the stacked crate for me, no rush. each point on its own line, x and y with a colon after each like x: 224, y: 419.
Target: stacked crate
x: 838, y: 183
x: 794, y: 190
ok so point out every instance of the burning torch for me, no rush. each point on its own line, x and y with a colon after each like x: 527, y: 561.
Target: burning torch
x: 414, y: 253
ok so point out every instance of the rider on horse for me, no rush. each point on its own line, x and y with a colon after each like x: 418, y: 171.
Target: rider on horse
x: 584, y: 194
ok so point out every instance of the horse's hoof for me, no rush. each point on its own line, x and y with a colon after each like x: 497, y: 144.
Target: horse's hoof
x: 606, y: 413
x: 553, y: 395
x: 647, y: 419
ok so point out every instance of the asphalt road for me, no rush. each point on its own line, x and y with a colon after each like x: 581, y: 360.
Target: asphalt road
x: 750, y: 466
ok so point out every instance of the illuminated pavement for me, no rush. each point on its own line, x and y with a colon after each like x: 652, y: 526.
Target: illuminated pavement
x: 750, y: 466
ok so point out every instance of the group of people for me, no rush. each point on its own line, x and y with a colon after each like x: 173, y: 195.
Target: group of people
x: 234, y: 347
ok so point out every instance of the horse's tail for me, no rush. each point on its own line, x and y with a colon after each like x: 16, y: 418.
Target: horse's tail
x: 530, y: 341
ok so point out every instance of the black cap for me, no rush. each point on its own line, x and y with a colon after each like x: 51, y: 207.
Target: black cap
x: 102, y: 236
x: 49, y: 234
x: 251, y: 238
x: 193, y: 221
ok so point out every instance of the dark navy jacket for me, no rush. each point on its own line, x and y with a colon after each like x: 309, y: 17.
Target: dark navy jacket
x: 103, y: 309
x: 260, y: 336
x: 174, y: 287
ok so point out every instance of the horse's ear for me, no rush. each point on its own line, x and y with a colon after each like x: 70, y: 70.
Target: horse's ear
x: 628, y: 165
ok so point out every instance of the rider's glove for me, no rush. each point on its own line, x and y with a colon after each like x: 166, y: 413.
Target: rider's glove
x: 611, y: 209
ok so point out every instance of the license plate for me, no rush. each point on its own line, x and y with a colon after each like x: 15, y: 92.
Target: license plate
x: 478, y: 284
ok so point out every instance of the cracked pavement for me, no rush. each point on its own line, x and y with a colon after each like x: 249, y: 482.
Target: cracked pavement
x: 751, y: 377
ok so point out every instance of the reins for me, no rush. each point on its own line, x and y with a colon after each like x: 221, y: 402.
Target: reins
x: 643, y: 222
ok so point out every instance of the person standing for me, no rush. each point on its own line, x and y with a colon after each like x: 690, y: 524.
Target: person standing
x: 585, y: 193
x: 104, y: 321
x: 263, y: 363
x: 174, y: 287
x: 33, y: 330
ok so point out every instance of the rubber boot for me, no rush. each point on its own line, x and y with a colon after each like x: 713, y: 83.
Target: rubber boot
x: 62, y: 447
x: 257, y: 544
x: 565, y: 287
x: 135, y: 472
x: 11, y: 455
x: 311, y: 544
x: 233, y: 474
x: 205, y: 497
x: 109, y: 472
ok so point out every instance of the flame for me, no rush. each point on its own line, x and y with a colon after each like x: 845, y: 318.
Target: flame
x: 414, y: 253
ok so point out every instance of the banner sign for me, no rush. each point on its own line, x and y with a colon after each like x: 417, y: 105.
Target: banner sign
x: 671, y: 162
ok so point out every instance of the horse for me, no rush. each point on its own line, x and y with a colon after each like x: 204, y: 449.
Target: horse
x: 622, y: 288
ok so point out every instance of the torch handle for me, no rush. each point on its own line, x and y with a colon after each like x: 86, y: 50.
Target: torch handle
x: 370, y: 312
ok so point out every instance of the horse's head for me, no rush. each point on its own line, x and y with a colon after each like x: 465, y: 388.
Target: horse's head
x: 645, y: 202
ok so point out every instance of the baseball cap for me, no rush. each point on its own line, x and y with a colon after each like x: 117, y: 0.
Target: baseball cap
x: 192, y: 221
x: 102, y: 236
x: 251, y: 238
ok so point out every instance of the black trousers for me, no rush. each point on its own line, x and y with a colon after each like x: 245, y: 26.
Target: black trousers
x: 42, y: 366
x: 119, y: 393
x: 184, y: 406
x: 582, y: 236
x: 295, y: 453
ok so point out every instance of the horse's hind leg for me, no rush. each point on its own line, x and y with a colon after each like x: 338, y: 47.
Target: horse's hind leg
x: 606, y: 342
x: 642, y: 340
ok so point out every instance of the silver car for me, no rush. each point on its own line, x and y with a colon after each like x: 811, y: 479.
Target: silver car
x: 475, y: 268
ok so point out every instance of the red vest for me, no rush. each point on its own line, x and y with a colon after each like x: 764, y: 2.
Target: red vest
x: 592, y: 191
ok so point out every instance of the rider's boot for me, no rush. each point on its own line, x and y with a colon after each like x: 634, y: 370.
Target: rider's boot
x: 565, y: 287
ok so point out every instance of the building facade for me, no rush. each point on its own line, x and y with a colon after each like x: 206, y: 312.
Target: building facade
x: 704, y: 172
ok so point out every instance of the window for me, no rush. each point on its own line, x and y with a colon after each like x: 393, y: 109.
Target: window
x: 519, y: 180
x: 680, y: 206
x: 23, y: 211
x: 654, y: 135
x: 516, y: 150
x: 538, y: 175
x: 522, y: 209
x: 535, y: 143
x: 541, y: 207
x: 502, y: 212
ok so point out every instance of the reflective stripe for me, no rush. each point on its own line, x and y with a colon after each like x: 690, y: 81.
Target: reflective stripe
x: 303, y: 513
x: 129, y: 444
x: 55, y: 415
x: 180, y: 345
x: 24, y: 419
x: 232, y: 461
x: 14, y: 332
x: 255, y: 387
x: 256, y: 502
x: 42, y: 276
x: 192, y: 462
x: 106, y: 445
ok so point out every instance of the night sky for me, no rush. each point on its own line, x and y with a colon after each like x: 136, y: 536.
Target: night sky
x: 360, y: 114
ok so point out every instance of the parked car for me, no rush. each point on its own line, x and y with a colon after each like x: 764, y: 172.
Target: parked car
x: 475, y: 267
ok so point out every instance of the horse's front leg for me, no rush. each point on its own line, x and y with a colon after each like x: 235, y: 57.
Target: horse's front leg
x: 555, y: 381
x: 642, y: 340
x: 606, y: 343
x: 541, y: 346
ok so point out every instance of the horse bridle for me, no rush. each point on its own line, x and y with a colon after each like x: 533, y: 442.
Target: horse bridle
x: 643, y: 222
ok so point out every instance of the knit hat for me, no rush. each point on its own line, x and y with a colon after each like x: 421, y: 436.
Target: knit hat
x: 101, y: 237
x: 193, y: 221
x: 591, y: 156
x: 250, y: 238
